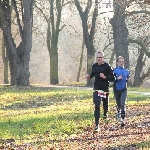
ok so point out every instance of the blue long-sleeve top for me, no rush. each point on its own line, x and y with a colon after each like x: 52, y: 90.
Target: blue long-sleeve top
x: 121, y: 83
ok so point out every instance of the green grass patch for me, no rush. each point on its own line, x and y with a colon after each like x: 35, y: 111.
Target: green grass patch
x: 28, y: 112
x: 140, y: 89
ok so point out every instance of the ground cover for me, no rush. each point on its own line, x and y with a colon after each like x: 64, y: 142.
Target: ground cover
x: 62, y: 119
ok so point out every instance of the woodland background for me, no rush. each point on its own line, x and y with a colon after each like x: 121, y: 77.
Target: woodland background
x: 64, y: 35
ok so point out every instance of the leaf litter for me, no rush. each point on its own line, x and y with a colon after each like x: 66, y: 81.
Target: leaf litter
x: 134, y: 136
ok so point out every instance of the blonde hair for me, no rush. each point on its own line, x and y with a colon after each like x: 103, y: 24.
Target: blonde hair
x: 119, y: 57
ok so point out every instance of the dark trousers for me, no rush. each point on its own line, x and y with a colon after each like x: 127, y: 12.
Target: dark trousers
x: 97, y: 101
x: 120, y: 96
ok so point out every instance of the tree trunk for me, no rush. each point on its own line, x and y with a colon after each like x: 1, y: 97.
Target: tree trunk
x: 18, y: 57
x: 52, y: 39
x: 88, y: 35
x: 143, y: 43
x: 120, y: 33
x: 54, y: 65
x: 112, y: 57
x: 138, y: 70
x: 81, y: 61
x: 12, y: 55
x: 5, y: 61
x: 26, y: 45
x: 90, y: 61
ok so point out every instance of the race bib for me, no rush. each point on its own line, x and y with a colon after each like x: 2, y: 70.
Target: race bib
x: 101, y: 93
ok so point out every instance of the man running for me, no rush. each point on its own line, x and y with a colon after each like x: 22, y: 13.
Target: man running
x: 103, y: 73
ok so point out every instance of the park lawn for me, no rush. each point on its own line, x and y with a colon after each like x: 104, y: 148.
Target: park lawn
x: 63, y: 118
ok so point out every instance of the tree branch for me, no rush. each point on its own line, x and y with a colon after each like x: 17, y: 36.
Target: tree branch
x: 17, y: 15
x: 144, y: 48
x: 137, y: 12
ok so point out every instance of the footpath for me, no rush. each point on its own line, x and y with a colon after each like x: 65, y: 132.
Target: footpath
x: 91, y: 88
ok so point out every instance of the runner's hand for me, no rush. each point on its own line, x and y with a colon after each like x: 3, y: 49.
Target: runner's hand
x: 102, y: 76
x: 119, y: 77
x: 87, y: 76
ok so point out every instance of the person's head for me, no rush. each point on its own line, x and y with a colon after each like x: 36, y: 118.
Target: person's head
x: 120, y: 61
x: 99, y: 57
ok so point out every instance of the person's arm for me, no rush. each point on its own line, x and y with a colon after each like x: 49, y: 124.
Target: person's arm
x: 115, y: 75
x: 92, y: 74
x: 114, y: 83
x: 93, y: 71
x: 111, y: 75
x: 128, y: 76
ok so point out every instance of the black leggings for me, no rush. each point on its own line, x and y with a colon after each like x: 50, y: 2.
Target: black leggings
x: 97, y: 101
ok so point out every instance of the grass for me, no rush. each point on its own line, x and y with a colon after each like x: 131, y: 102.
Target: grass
x: 26, y: 113
x: 37, y: 114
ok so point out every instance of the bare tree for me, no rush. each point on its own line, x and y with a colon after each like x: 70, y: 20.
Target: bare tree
x: 19, y: 57
x: 142, y: 53
x: 88, y: 30
x: 138, y: 24
x: 122, y: 40
x: 53, y: 21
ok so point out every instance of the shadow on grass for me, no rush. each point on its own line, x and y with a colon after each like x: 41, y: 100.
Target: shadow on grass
x: 137, y: 97
x: 133, y: 146
x: 30, y: 126
x: 55, y: 124
x: 60, y: 95
x: 43, y: 101
x: 20, y: 89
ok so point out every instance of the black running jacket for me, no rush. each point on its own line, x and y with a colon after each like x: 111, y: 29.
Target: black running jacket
x: 100, y: 83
